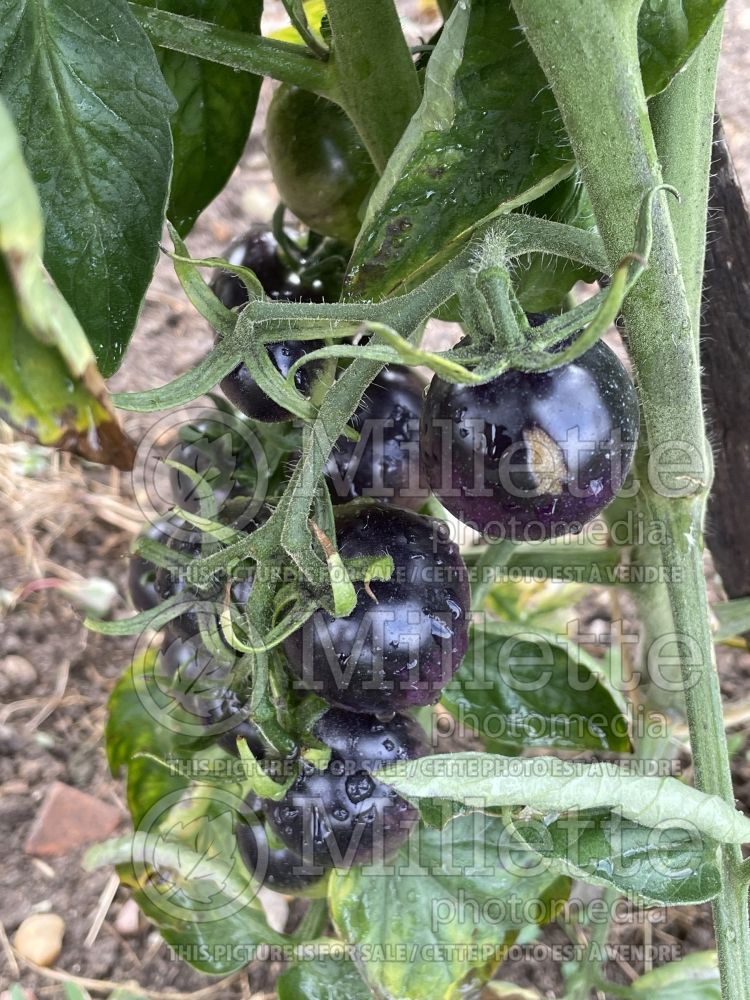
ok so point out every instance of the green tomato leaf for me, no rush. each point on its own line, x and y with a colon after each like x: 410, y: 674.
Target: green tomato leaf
x: 733, y: 618
x: 325, y: 977
x: 93, y: 111
x: 404, y: 916
x: 182, y: 862
x: 669, y: 31
x: 49, y: 385
x: 694, y: 977
x: 39, y: 395
x: 201, y: 899
x: 547, y: 784
x: 132, y: 726
x: 215, y: 109
x: 487, y: 138
x: 518, y: 689
x: 484, y: 140
x: 668, y: 867
x: 599, y: 846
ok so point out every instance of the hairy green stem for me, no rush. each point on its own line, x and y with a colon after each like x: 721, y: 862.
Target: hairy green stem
x: 588, y: 973
x: 238, y: 49
x: 682, y: 119
x: 589, y: 53
x: 379, y: 84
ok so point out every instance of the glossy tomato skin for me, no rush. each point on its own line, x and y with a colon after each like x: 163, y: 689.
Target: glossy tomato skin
x: 227, y: 719
x: 211, y: 469
x: 406, y: 636
x: 342, y: 815
x: 243, y: 391
x: 368, y: 741
x: 217, y: 446
x: 179, y: 579
x: 259, y: 251
x: 532, y: 455
x: 320, y: 165
x: 201, y: 685
x: 384, y: 464
x: 142, y: 573
x: 176, y: 580
x: 277, y: 868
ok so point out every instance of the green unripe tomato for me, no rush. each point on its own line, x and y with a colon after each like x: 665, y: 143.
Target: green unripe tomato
x: 320, y: 165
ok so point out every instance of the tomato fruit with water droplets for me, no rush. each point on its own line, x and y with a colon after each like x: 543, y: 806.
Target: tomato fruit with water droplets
x: 342, y: 815
x: 282, y: 281
x: 532, y: 455
x: 406, y: 636
x: 384, y: 464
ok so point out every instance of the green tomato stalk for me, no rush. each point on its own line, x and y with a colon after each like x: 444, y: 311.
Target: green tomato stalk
x: 589, y: 53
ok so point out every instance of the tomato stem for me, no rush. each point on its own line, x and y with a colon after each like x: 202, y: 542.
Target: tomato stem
x: 588, y: 48
x: 379, y: 84
x: 293, y: 64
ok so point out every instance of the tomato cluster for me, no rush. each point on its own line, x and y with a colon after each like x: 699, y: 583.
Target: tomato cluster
x: 523, y: 456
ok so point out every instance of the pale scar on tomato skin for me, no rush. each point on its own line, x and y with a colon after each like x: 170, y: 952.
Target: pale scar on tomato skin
x: 546, y: 461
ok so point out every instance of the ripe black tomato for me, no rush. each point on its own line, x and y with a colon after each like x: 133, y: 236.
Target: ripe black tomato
x: 342, y: 815
x: 532, y: 455
x: 277, y: 868
x: 406, y: 636
x: 281, y: 281
x: 142, y: 573
x: 218, y: 446
x: 384, y: 463
x: 179, y: 578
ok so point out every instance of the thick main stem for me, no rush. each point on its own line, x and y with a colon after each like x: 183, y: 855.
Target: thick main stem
x: 379, y: 85
x: 589, y: 53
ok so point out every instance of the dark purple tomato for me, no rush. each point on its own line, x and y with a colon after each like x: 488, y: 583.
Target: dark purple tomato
x: 370, y: 742
x: 198, y: 679
x: 384, y: 463
x: 142, y: 573
x: 181, y: 578
x: 277, y: 868
x: 532, y: 455
x: 406, y: 636
x: 200, y: 684
x: 342, y: 815
x: 243, y: 391
x: 259, y: 251
x: 178, y: 579
x: 216, y: 449
x: 227, y: 720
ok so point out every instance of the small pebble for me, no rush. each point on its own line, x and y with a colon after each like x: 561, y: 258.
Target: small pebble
x: 127, y: 921
x: 16, y: 674
x: 39, y: 938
